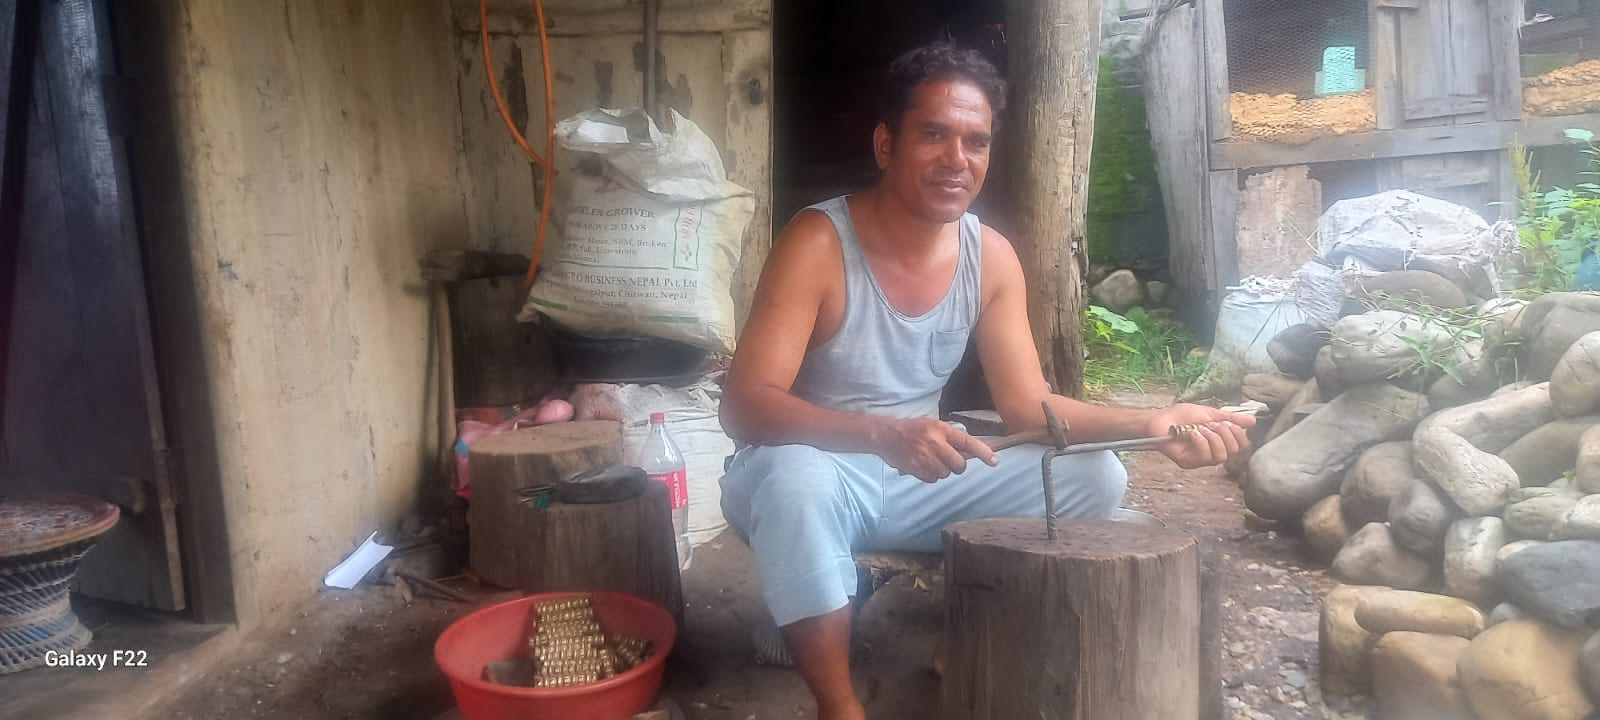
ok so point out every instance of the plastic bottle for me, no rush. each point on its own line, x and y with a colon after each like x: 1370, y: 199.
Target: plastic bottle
x: 660, y: 458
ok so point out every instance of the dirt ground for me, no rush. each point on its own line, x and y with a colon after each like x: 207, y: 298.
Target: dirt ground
x: 365, y: 654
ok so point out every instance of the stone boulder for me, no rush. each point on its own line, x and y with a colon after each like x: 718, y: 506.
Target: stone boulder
x: 1325, y: 528
x: 1502, y: 334
x: 1551, y: 324
x: 1344, y: 648
x: 1575, y: 381
x: 1582, y: 522
x: 1548, y: 451
x: 1419, y: 516
x: 1524, y: 670
x: 1273, y: 389
x: 1512, y: 548
x: 1558, y: 582
x: 1293, y: 471
x: 1473, y: 378
x: 1411, y: 611
x: 1504, y: 612
x: 1454, y: 449
x: 1587, y: 473
x: 1294, y: 349
x: 1119, y: 292
x: 1326, y: 373
x: 1371, y: 557
x: 1470, y: 549
x: 1413, y: 286
x: 1308, y: 395
x: 1157, y: 292
x: 1414, y: 676
x: 1386, y: 344
x: 1535, y: 513
x: 1372, y: 482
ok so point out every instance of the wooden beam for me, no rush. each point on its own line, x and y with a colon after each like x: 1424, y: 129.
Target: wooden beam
x: 1222, y: 198
x: 747, y: 74
x: 726, y: 16
x: 1385, y: 70
x: 1446, y: 106
x: 1505, y: 61
x: 1215, y: 48
x: 1406, y: 142
x: 1054, y: 115
x: 1173, y: 77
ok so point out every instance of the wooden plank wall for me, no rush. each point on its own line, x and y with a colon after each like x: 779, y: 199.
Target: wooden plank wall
x: 1175, y: 95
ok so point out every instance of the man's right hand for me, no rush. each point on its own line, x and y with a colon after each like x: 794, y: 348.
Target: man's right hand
x: 929, y: 449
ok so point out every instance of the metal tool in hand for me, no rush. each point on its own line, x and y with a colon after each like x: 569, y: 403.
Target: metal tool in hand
x: 1055, y: 435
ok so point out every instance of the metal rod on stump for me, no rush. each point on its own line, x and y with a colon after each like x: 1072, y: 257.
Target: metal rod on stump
x: 1054, y: 61
x: 1102, y: 622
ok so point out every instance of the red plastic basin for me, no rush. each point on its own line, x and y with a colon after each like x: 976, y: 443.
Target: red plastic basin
x: 500, y: 632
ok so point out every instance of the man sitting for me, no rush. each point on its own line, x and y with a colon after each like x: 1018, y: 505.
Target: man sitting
x: 863, y: 311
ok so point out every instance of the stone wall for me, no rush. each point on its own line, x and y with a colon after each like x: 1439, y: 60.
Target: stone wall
x: 1439, y: 449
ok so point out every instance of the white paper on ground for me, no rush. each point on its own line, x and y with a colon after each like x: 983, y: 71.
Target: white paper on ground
x: 346, y: 574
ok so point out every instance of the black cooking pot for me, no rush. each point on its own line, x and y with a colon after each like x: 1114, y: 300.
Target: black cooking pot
x: 630, y: 359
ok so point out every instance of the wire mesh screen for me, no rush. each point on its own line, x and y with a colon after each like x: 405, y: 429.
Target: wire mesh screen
x: 1298, y: 69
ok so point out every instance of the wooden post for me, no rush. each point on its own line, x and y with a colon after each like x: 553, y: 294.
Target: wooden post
x: 1103, y: 622
x: 1054, y: 56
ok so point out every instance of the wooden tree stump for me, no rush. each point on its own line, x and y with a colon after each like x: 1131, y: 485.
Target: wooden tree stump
x: 1103, y: 622
x: 539, y: 544
x: 503, y: 466
x: 626, y: 546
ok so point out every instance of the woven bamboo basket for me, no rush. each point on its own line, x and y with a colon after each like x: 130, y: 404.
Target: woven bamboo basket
x: 42, y: 542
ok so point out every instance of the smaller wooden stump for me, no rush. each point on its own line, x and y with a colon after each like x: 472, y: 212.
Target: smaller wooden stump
x: 1103, y: 622
x: 535, y: 543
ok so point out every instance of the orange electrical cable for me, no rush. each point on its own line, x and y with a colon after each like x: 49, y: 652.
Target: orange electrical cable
x: 494, y: 81
x: 549, y: 121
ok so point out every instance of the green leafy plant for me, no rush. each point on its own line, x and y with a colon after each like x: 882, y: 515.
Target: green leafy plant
x: 1127, y: 351
x: 1556, y: 227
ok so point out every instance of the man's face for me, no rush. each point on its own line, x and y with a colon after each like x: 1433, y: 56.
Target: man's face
x: 936, y: 162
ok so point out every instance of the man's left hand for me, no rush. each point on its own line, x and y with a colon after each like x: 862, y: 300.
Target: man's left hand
x: 1219, y: 434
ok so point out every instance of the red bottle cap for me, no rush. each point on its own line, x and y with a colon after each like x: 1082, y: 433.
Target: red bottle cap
x: 658, y: 418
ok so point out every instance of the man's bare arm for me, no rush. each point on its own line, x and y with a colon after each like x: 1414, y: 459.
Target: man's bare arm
x: 758, y: 406
x: 1017, y: 383
x: 1011, y: 362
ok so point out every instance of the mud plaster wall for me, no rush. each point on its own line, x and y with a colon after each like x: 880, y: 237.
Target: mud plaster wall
x: 715, y: 68
x: 318, y: 152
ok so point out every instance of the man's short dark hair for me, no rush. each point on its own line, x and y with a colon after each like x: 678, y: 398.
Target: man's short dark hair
x: 939, y: 62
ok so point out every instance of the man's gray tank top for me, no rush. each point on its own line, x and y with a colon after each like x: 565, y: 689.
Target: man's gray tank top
x: 882, y: 361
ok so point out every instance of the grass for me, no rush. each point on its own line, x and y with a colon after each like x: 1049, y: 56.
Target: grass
x: 1134, y: 351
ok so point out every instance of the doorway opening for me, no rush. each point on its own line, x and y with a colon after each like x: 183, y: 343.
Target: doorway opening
x: 829, y: 60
